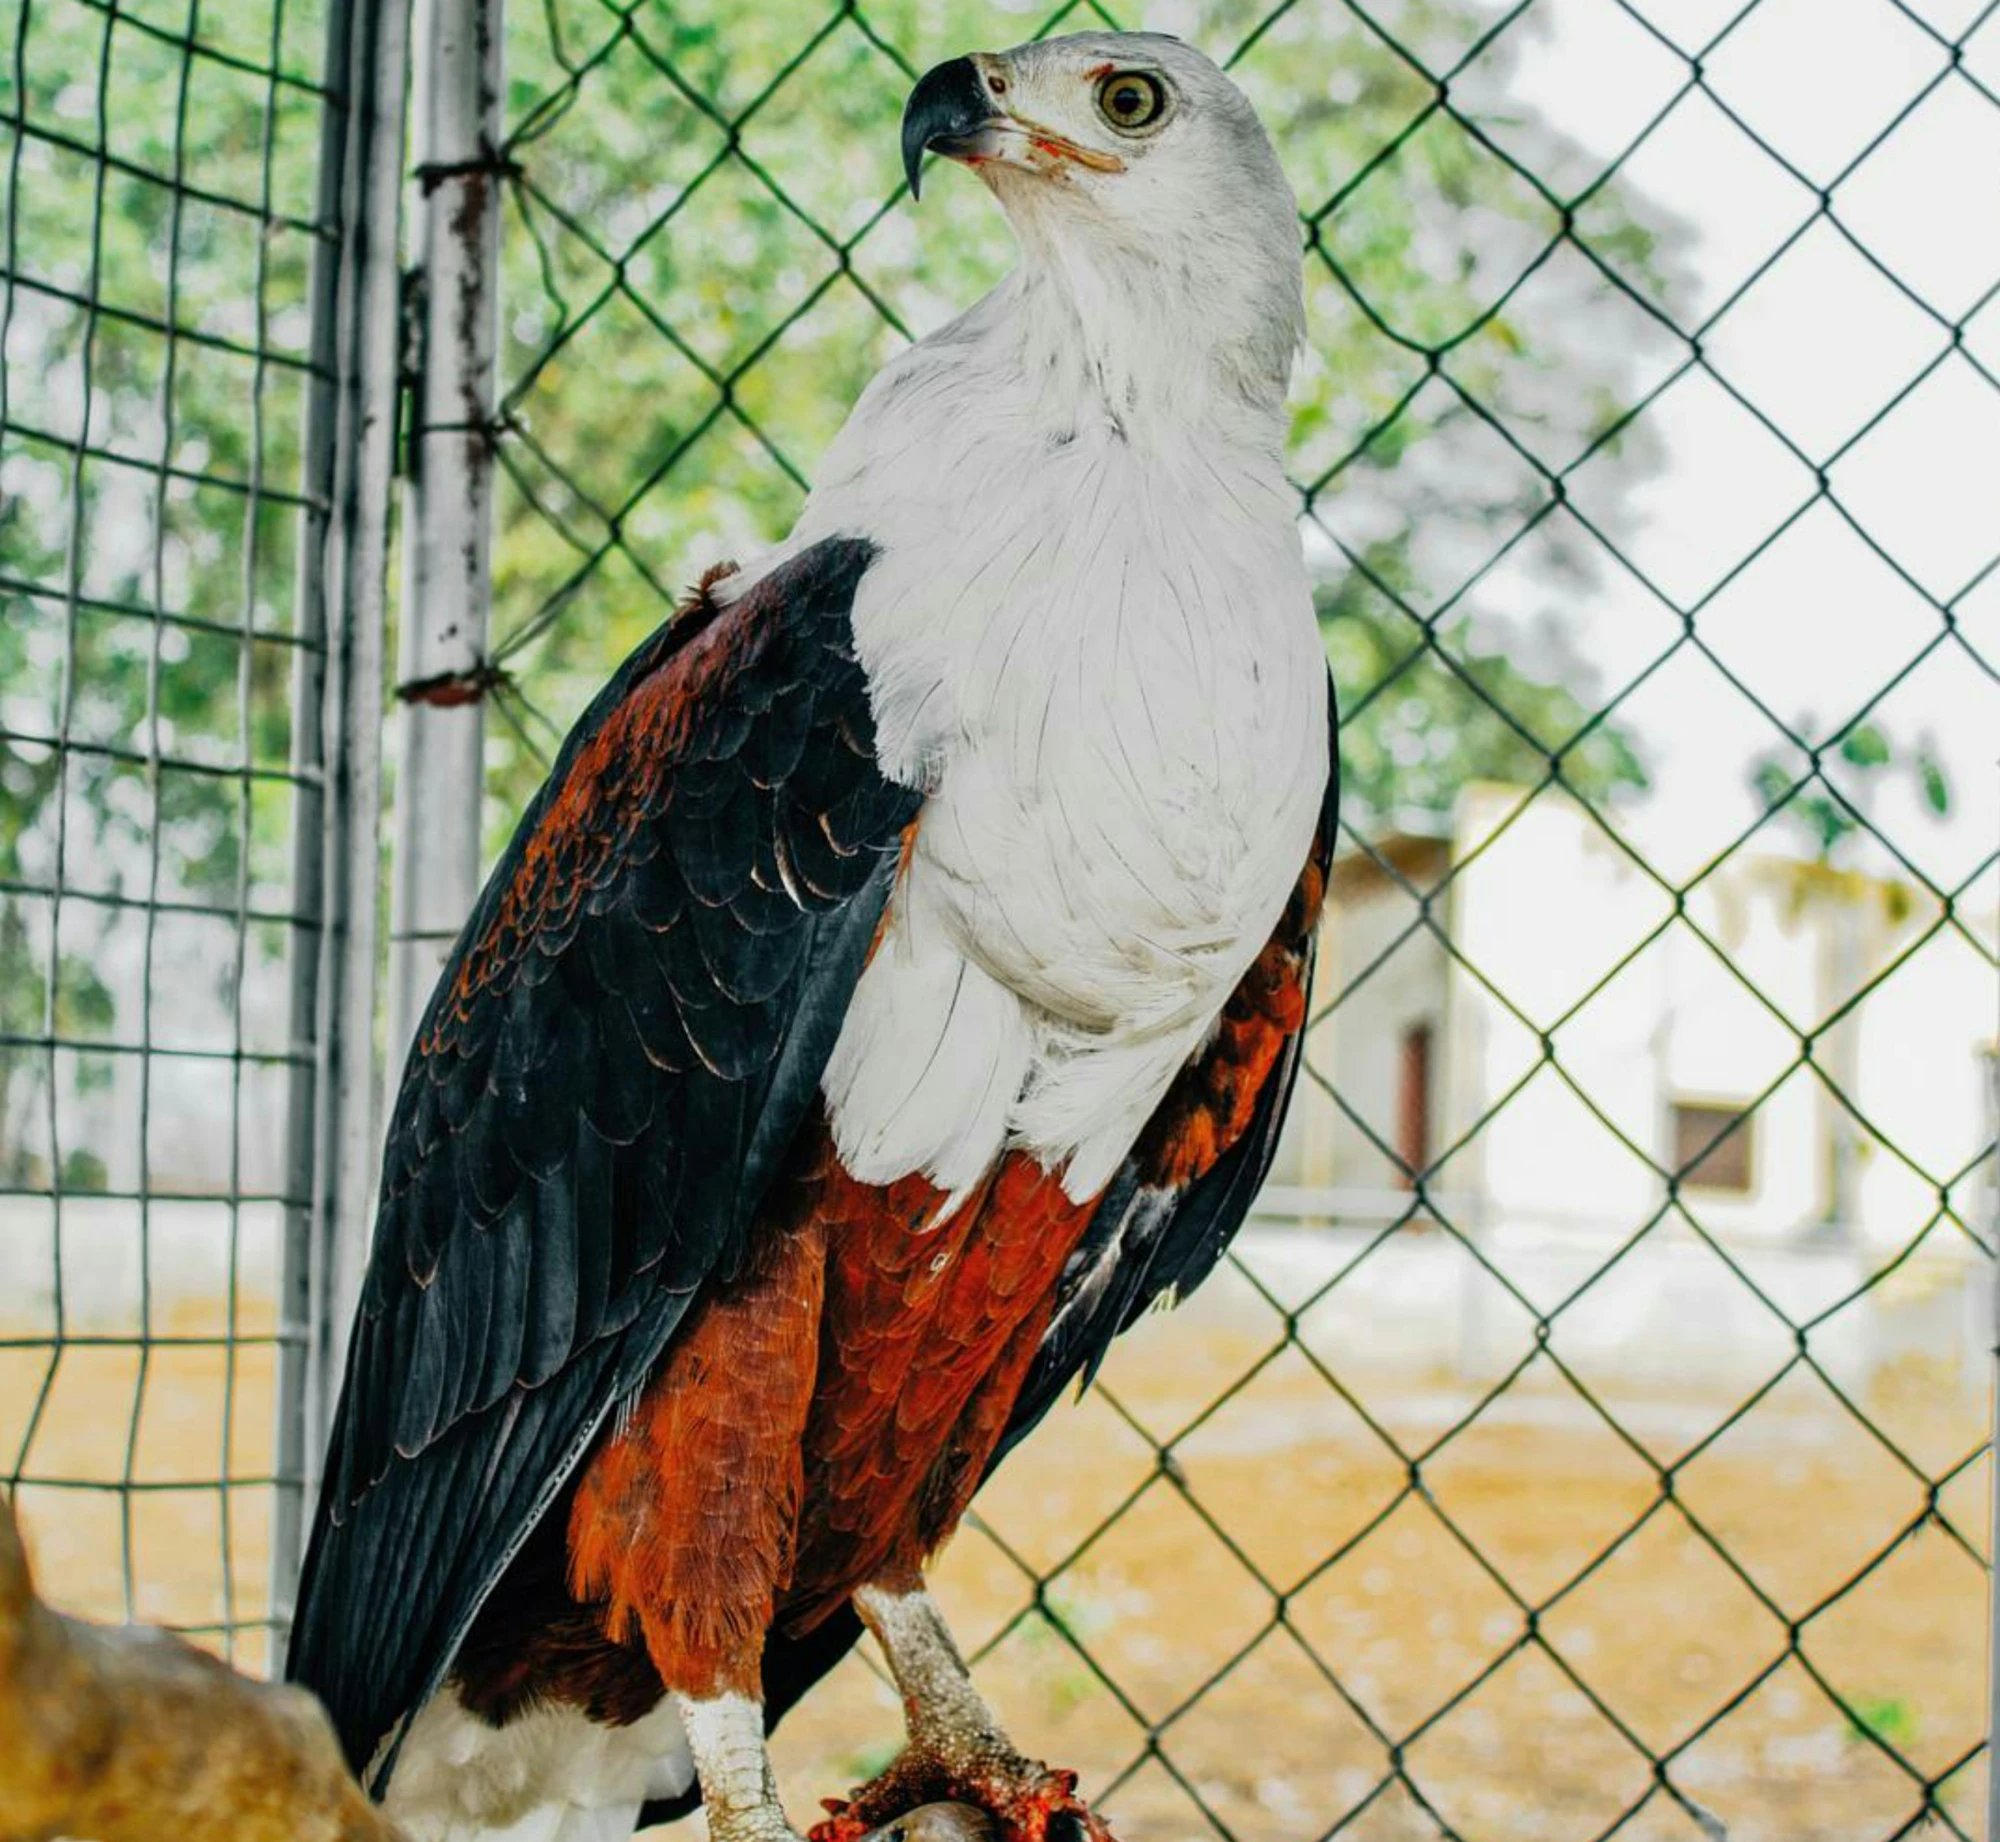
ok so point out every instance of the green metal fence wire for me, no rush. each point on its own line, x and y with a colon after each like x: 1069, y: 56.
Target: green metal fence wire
x: 701, y: 265
x: 707, y: 253
x: 160, y: 230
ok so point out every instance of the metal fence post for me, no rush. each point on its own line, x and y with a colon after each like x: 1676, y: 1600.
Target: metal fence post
x: 337, y: 700
x: 441, y: 665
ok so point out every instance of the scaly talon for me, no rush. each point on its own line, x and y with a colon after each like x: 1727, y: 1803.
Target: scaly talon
x: 957, y: 1755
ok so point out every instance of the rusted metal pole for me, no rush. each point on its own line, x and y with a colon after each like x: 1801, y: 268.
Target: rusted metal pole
x: 337, y: 746
x: 456, y: 131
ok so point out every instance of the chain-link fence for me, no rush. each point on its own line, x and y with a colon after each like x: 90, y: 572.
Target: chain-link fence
x: 1591, y: 1433
x: 162, y: 218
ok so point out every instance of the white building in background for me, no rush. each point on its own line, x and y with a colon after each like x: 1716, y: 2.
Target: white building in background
x: 1701, y: 1025
x: 1678, y: 1045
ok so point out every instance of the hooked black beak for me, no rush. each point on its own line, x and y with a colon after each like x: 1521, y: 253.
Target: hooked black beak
x: 948, y: 112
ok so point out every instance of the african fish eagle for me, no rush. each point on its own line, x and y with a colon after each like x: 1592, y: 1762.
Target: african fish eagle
x: 895, y: 988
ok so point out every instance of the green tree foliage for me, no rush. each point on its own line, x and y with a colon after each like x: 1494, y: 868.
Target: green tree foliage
x: 1825, y: 823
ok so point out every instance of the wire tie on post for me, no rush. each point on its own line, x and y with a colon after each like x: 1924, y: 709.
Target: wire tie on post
x: 489, y: 161
x: 447, y: 690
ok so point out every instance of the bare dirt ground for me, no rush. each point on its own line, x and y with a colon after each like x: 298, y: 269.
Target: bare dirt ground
x: 1427, y: 1593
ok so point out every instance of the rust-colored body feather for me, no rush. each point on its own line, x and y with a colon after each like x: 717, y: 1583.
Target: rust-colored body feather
x: 929, y: 1327
x: 683, y: 1525
x: 822, y: 1421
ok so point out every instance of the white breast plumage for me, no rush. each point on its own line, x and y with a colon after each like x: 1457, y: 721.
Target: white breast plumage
x: 1090, y: 638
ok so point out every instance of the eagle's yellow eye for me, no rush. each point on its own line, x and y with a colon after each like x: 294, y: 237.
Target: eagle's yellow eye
x: 1130, y: 99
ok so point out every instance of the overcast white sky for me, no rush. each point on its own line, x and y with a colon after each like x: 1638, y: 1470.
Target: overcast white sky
x: 1820, y: 345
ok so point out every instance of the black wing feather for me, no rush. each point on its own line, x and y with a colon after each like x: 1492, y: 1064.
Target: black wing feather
x: 624, y: 1044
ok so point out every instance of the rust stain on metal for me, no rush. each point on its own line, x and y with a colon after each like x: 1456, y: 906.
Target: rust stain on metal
x: 467, y: 224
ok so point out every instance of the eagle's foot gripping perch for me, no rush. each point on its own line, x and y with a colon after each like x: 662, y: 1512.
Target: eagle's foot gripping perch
x: 998, y: 1798
x: 958, y: 1767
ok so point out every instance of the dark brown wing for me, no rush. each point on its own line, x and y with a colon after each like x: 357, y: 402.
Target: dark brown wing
x: 620, y: 1050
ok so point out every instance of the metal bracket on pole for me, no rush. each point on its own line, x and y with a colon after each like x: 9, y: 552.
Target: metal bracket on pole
x: 443, y: 673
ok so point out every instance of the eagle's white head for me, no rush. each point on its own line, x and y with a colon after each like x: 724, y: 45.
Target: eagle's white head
x: 1145, y: 195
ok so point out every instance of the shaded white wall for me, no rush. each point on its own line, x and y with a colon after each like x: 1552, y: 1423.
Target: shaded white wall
x: 1398, y: 974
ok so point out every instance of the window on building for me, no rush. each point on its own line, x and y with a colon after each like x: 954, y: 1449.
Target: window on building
x: 1705, y: 1158
x: 1413, y: 1103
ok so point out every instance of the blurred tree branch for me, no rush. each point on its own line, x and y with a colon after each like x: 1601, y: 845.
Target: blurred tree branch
x: 127, y: 1734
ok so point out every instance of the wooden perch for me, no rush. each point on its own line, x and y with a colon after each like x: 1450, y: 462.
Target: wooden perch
x: 126, y: 1734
